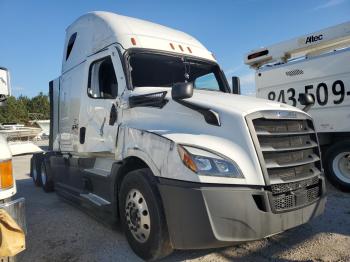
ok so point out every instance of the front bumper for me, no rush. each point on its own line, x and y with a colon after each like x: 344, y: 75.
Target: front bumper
x: 207, y: 216
x: 16, y: 209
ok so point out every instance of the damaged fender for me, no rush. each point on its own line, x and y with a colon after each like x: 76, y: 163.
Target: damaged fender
x: 147, y: 146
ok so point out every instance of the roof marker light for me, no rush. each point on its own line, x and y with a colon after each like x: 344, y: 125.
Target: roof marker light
x: 172, y: 46
x: 133, y: 41
x: 189, y: 50
x: 180, y: 46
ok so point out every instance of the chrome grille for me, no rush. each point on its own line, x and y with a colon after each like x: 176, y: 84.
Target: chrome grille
x: 313, y: 193
x: 284, y: 202
x: 286, y: 174
x: 280, y: 127
x: 292, y: 200
x: 288, y: 149
x: 287, y: 187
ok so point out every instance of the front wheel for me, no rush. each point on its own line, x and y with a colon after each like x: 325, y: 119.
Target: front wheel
x: 142, y: 216
x: 337, y: 165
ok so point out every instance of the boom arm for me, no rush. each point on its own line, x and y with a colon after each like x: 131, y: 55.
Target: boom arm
x: 328, y: 39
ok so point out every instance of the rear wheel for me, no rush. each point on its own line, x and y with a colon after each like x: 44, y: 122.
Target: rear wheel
x: 142, y: 216
x: 35, y: 171
x: 337, y: 165
x: 46, y: 178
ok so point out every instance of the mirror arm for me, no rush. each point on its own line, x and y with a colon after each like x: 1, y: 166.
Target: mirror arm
x: 307, y: 108
x: 307, y: 100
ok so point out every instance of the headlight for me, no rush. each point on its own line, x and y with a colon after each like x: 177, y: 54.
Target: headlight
x: 208, y: 164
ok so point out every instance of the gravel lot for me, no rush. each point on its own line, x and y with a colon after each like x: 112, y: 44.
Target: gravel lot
x: 58, y: 231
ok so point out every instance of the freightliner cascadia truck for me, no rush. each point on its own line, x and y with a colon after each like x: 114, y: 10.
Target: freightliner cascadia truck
x: 318, y: 64
x: 145, y: 130
x: 12, y: 213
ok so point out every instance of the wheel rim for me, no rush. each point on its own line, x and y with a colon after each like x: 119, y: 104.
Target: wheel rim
x: 341, y: 166
x: 43, y: 175
x: 137, y: 216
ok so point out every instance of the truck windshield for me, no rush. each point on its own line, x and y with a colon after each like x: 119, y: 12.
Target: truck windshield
x: 158, y: 70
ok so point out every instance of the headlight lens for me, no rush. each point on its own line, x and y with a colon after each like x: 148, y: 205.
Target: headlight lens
x: 208, y: 164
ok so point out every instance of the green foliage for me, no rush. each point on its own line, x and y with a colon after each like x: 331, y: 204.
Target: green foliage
x: 23, y: 109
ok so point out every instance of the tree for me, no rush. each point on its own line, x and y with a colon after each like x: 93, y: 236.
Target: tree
x: 40, y: 105
x: 14, y: 112
x: 23, y: 109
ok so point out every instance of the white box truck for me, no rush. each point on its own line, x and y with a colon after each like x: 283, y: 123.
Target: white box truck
x: 12, y: 213
x: 145, y: 131
x: 318, y: 64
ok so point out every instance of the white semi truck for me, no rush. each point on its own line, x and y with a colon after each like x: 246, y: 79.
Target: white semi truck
x: 145, y: 131
x: 318, y: 64
x: 12, y: 213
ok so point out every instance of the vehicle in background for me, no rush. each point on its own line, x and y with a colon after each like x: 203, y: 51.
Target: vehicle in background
x: 144, y: 130
x: 317, y: 64
x: 12, y: 213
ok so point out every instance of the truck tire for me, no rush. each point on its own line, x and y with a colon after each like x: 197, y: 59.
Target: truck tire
x: 142, y: 216
x: 46, y: 178
x: 35, y: 171
x: 337, y: 165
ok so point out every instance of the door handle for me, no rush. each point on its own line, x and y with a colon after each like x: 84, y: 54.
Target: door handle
x: 113, y: 115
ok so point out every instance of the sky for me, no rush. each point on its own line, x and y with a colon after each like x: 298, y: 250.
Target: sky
x: 32, y: 32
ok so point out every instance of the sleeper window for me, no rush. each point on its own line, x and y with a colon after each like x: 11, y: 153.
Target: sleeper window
x: 70, y: 44
x: 102, y: 79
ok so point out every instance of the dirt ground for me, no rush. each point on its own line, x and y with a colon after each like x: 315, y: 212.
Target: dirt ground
x: 58, y: 231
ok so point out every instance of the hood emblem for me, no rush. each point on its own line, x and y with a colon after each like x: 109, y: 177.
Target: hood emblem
x: 286, y: 114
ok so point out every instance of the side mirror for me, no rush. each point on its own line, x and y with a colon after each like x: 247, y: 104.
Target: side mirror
x: 236, y: 85
x: 182, y: 91
x: 306, y: 100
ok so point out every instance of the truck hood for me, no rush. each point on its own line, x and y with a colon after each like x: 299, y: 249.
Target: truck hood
x: 238, y: 104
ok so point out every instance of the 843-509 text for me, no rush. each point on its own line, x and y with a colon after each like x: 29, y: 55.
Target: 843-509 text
x: 322, y: 93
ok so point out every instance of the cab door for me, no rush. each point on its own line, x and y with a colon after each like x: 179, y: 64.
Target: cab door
x: 99, y: 113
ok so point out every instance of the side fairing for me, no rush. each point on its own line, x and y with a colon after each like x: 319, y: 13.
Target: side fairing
x: 71, y: 88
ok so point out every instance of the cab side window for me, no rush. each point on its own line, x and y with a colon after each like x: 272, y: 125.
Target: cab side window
x: 102, y: 79
x: 207, y: 82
